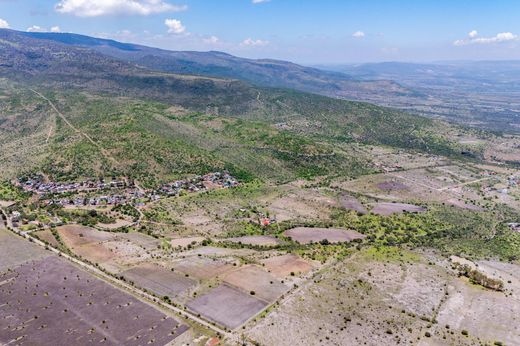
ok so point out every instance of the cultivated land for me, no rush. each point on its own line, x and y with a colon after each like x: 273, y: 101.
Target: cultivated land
x: 46, y: 300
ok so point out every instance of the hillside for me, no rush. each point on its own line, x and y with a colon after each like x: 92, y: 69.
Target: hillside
x: 191, y: 124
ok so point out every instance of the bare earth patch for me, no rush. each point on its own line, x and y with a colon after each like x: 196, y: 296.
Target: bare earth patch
x: 159, y: 280
x: 202, y: 267
x: 306, y: 235
x: 256, y: 279
x: 351, y: 203
x: 282, y: 266
x: 227, y: 306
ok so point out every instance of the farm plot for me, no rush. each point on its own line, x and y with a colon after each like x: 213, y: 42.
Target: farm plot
x: 48, y: 237
x: 282, y: 266
x: 157, y: 279
x: 262, y: 240
x: 307, y: 235
x: 144, y: 241
x: 15, y: 251
x: 77, y: 235
x: 203, y: 268
x: 257, y: 281
x: 51, y: 302
x: 227, y: 306
x: 386, y: 208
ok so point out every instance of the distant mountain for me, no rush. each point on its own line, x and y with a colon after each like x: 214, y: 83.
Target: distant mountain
x: 261, y: 72
x: 483, y: 94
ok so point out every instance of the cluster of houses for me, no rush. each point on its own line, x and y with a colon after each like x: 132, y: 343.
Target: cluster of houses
x: 134, y: 197
x: 36, y: 184
x: 125, y: 194
x: 209, y: 181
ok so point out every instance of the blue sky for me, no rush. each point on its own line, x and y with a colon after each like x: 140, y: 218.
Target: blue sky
x: 305, y: 31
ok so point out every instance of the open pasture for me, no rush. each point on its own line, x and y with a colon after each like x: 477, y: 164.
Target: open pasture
x: 227, y: 306
x: 51, y: 302
x: 307, y: 235
x: 252, y: 278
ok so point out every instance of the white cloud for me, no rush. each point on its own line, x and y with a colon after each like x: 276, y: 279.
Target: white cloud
x: 211, y: 40
x: 358, y: 34
x: 473, y: 38
x: 55, y: 29
x: 35, y: 28
x: 254, y: 43
x: 175, y: 26
x: 259, y: 1
x: 4, y: 24
x: 94, y: 8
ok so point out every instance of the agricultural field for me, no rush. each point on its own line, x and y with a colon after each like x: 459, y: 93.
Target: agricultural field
x: 47, y: 300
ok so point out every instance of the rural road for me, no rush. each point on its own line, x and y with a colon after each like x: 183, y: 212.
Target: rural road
x: 75, y: 129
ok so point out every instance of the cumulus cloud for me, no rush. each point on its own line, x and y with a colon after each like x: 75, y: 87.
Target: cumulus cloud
x: 175, y: 26
x: 211, y: 40
x: 254, y: 43
x: 35, y: 28
x: 473, y: 38
x: 4, y: 24
x: 94, y: 8
x: 55, y: 29
x: 358, y: 34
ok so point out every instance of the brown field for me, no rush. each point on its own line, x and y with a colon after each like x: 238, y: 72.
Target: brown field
x: 306, y: 235
x: 202, y: 267
x: 159, y: 280
x: 351, y: 203
x: 386, y: 208
x: 70, y: 307
x: 253, y: 278
x: 95, y: 253
x: 77, y: 235
x: 282, y: 266
x: 47, y: 236
x: 264, y: 240
x: 227, y: 306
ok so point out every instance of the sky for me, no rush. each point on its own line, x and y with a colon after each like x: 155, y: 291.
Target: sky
x: 303, y: 31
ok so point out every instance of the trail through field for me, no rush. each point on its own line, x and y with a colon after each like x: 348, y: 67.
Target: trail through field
x: 103, y: 151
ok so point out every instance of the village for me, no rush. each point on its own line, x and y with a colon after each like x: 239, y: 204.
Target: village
x: 117, y: 192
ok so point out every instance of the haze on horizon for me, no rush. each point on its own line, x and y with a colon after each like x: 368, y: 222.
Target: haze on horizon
x: 307, y: 31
